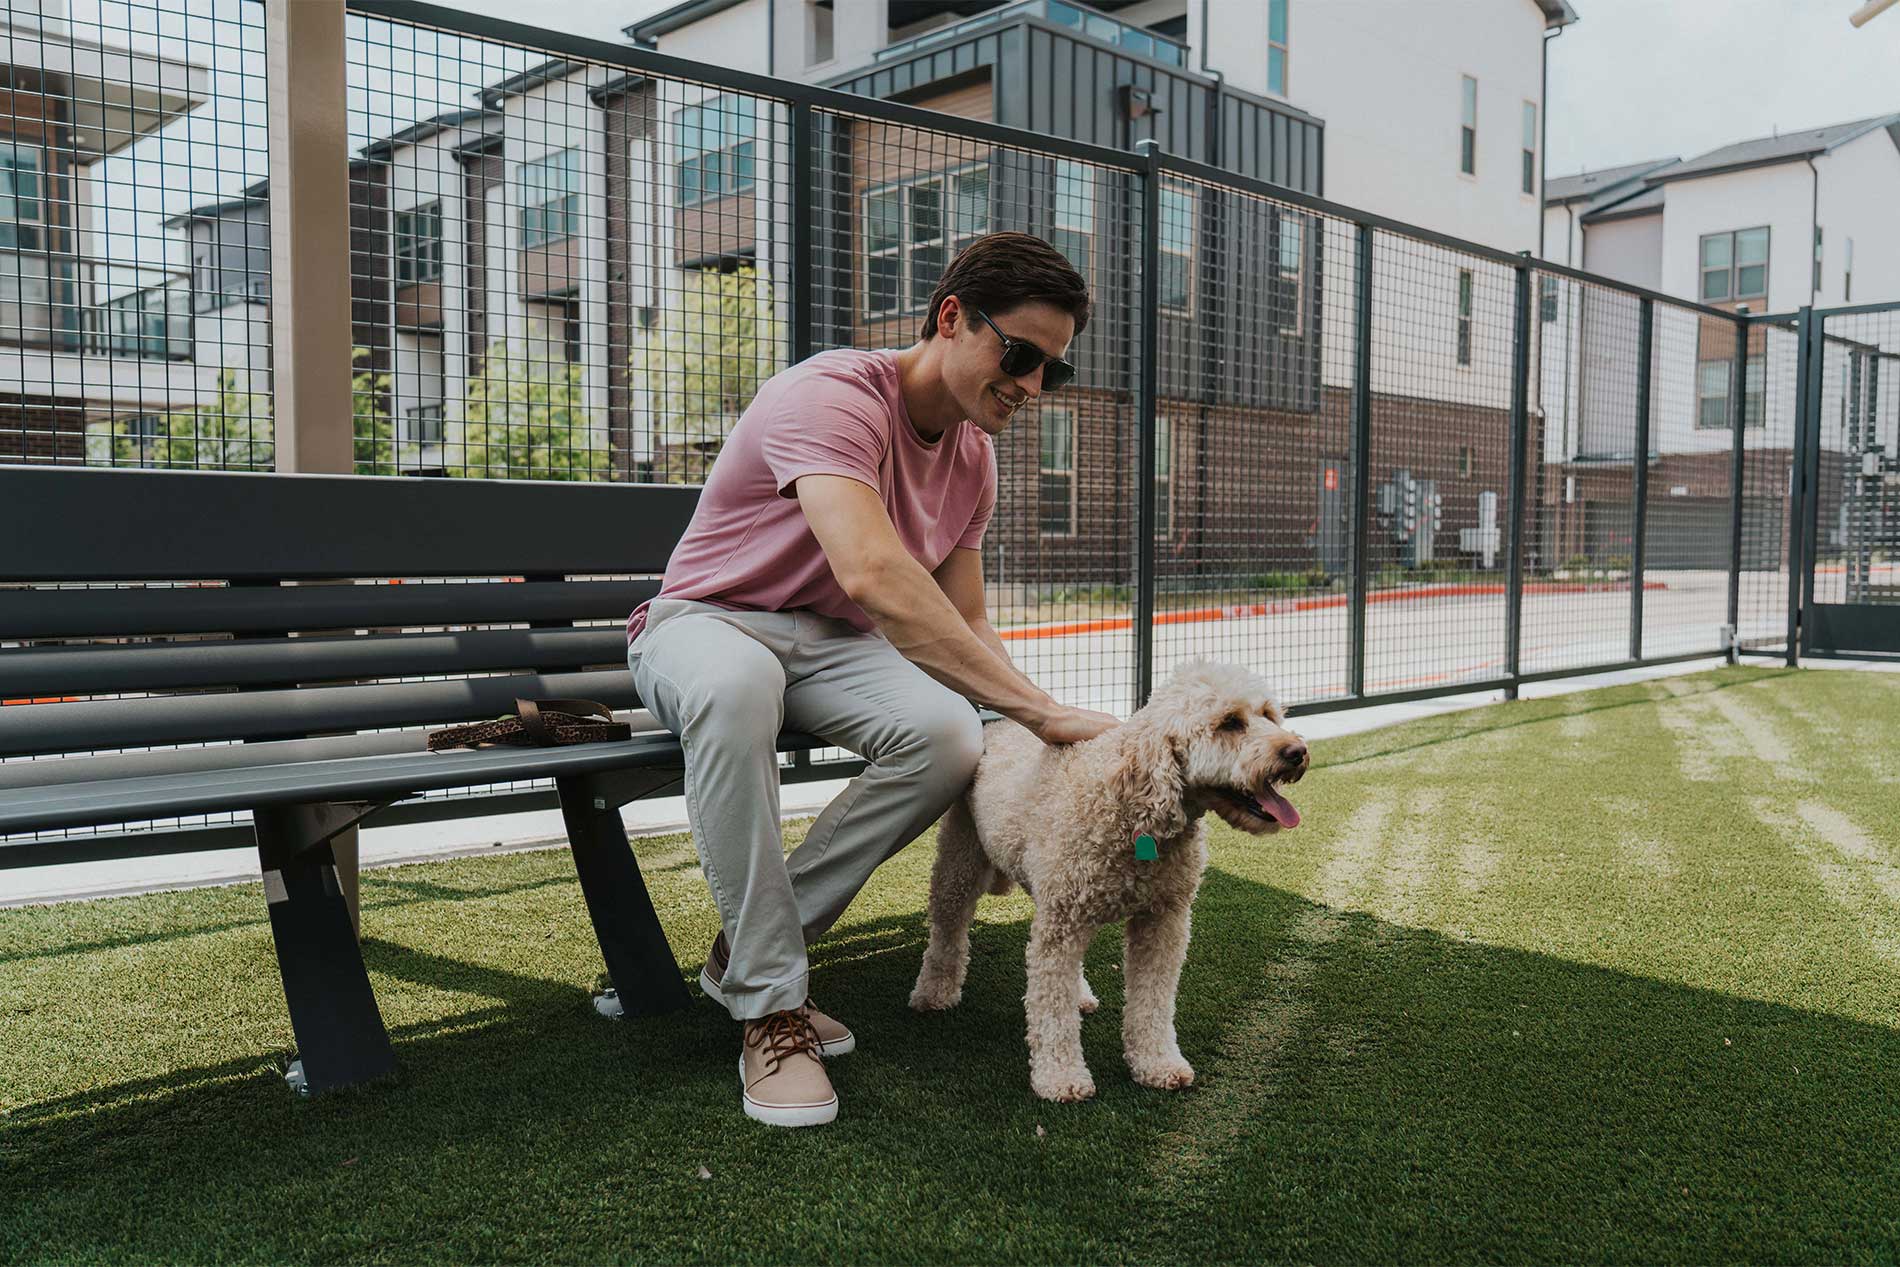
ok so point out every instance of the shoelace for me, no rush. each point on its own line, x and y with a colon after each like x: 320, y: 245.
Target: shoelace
x: 782, y: 1035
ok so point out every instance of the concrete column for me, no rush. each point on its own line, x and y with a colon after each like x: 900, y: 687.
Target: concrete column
x: 310, y: 264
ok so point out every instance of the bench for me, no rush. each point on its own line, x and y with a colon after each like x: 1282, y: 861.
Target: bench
x: 277, y: 646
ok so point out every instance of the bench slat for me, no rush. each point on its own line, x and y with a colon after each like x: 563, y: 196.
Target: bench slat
x: 119, y: 800
x: 98, y: 670
x: 129, y: 525
x: 114, y: 613
x: 88, y: 725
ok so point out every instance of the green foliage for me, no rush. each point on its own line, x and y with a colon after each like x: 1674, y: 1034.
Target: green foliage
x: 705, y: 360
x: 526, y: 417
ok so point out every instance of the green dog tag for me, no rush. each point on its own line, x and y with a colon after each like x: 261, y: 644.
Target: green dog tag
x: 1145, y: 850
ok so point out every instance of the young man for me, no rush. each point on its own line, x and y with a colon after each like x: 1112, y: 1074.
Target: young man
x: 831, y: 582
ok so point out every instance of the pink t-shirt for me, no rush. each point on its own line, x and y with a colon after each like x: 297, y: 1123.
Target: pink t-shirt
x: 748, y: 547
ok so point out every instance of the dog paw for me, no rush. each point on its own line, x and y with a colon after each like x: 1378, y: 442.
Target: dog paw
x: 1063, y: 1086
x: 1088, y: 1004
x: 1168, y: 1075
x: 935, y: 996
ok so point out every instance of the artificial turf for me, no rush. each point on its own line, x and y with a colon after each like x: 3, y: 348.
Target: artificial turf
x: 1612, y: 976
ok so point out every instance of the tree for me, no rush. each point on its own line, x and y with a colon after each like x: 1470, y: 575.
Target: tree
x: 234, y: 432
x: 705, y: 361
x: 373, y: 435
x: 526, y: 417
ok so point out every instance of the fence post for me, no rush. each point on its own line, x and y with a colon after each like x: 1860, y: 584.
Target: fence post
x: 1806, y: 375
x: 1145, y: 425
x: 804, y: 155
x: 1361, y: 464
x: 1639, y: 534
x: 1811, y: 469
x: 1738, y: 409
x: 1520, y: 427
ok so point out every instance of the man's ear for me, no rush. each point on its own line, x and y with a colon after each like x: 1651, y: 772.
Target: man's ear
x: 949, y: 316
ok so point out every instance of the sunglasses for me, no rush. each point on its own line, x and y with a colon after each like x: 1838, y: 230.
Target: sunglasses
x: 1020, y: 358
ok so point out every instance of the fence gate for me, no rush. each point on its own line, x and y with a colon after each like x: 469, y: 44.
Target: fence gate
x: 1850, y: 456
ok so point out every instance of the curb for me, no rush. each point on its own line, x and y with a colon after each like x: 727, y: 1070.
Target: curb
x: 1243, y: 611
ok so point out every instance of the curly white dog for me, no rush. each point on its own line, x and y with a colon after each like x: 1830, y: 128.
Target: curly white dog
x: 1065, y: 824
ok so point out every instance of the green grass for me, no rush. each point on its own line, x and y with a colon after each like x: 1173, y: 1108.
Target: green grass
x: 1611, y: 977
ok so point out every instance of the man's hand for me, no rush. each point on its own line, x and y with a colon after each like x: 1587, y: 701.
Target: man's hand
x: 1074, y: 725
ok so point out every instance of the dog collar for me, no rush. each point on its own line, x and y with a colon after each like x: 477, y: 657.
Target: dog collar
x: 1145, y: 850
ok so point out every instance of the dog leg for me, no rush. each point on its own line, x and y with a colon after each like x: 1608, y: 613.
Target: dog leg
x: 1085, y: 996
x: 1056, y: 1068
x: 1155, y: 947
x: 959, y: 878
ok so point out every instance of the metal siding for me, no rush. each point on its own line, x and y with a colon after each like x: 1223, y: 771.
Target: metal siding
x: 1052, y: 93
x: 1296, y: 157
x: 1011, y: 63
x: 1278, y: 174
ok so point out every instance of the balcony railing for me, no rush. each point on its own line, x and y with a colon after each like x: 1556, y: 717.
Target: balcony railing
x: 1083, y: 20
x: 68, y: 303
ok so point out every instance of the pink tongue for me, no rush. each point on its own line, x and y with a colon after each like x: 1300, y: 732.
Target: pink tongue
x: 1279, y: 808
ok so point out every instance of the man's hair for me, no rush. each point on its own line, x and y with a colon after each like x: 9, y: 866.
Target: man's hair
x: 1001, y: 271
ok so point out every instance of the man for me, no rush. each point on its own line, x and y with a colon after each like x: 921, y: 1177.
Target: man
x: 831, y: 582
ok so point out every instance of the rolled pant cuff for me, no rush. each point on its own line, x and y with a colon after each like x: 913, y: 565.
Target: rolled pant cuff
x: 750, y: 1005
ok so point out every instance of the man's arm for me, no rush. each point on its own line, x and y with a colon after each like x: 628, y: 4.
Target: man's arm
x: 960, y: 577
x: 907, y: 604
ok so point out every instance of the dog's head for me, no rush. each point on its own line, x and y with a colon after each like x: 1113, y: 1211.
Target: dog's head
x: 1212, y: 737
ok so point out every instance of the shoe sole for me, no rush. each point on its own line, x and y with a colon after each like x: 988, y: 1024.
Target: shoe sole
x: 836, y: 1047
x: 785, y: 1115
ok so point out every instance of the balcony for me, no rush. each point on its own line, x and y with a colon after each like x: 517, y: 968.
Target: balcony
x: 1090, y: 23
x: 71, y: 304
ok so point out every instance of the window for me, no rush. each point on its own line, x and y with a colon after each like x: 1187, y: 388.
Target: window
x: 1547, y: 293
x: 1847, y: 274
x: 550, y: 198
x: 912, y: 230
x: 715, y: 141
x: 1464, y: 462
x: 22, y: 211
x: 1276, y: 46
x: 419, y: 244
x: 1164, y: 476
x: 422, y: 425
x: 139, y: 324
x: 1057, y: 473
x: 1735, y: 266
x: 1468, y: 134
x: 1712, y: 384
x: 1464, y: 316
x: 1817, y: 259
x: 1074, y: 232
x: 1177, y: 248
x: 1289, y: 271
x: 1530, y: 148
x: 819, y: 46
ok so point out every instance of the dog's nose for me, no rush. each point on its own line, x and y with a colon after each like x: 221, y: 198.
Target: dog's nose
x: 1294, y: 753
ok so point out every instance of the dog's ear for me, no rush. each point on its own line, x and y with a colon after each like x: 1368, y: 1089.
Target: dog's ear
x: 1148, y: 784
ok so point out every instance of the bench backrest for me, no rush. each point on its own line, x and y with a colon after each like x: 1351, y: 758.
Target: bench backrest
x: 219, y: 606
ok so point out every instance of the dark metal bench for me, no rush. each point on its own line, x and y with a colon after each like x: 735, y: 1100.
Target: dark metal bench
x: 220, y: 625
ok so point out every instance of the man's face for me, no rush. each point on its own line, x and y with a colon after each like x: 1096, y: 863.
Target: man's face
x: 972, y: 365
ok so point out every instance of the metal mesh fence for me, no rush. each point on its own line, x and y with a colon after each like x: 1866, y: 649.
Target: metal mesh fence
x: 1856, y: 552
x: 572, y: 266
x: 1689, y: 532
x: 133, y: 317
x: 1768, y: 446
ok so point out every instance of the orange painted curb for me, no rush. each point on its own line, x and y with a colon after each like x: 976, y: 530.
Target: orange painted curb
x: 1242, y: 611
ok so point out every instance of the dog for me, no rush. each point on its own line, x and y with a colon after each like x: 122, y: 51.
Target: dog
x: 1066, y: 823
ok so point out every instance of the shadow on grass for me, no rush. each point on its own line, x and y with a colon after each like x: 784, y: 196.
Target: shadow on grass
x: 1366, y: 1091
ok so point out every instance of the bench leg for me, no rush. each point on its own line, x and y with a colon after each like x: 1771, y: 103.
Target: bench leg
x: 646, y: 977
x: 340, y: 1034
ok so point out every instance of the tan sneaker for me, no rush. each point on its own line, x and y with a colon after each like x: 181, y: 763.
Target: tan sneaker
x: 834, y: 1037
x: 782, y: 1079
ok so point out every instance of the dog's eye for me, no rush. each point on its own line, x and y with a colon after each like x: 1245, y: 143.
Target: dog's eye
x: 1233, y: 721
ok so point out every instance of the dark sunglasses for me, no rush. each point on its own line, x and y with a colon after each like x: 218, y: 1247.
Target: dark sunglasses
x: 1021, y: 358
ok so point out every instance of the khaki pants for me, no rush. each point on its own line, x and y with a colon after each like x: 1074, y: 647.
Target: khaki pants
x: 726, y: 683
